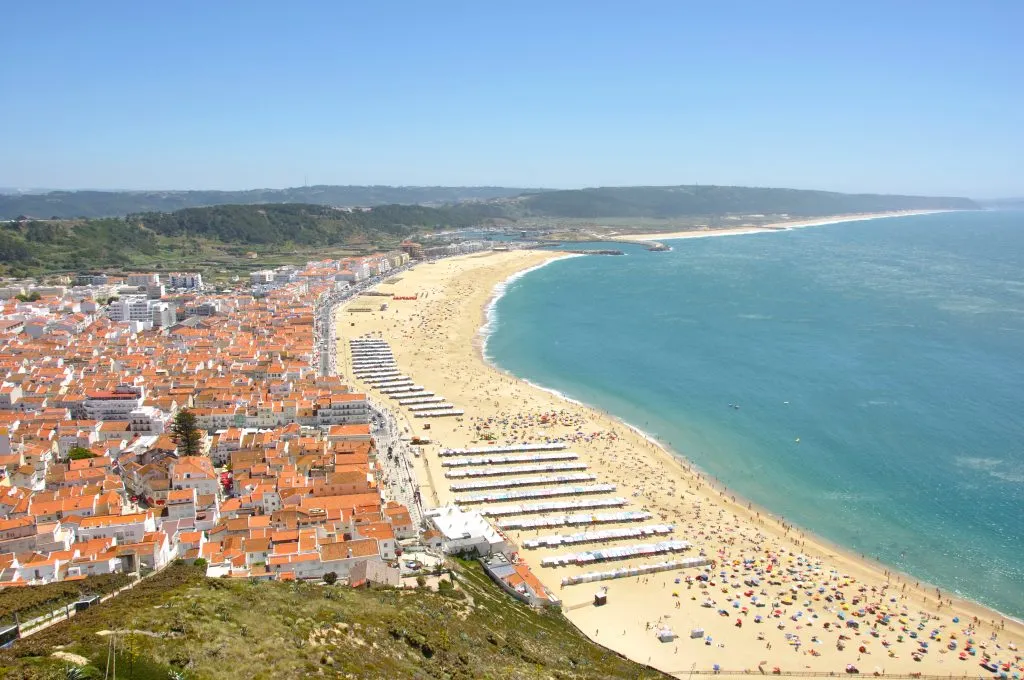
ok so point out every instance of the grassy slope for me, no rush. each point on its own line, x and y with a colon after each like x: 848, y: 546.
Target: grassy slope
x: 28, y: 602
x: 208, y: 628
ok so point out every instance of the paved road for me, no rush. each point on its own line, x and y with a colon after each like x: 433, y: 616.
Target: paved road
x: 394, y: 454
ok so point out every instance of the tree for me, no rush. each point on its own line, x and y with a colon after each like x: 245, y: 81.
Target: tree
x: 186, y: 433
x: 80, y: 453
x: 199, y: 562
x: 330, y: 578
x: 421, y: 581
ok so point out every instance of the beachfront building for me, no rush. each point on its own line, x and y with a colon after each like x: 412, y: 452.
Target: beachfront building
x: 342, y: 409
x: 466, y: 532
x: 412, y: 249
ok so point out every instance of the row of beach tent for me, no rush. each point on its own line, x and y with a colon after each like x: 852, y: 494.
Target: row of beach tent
x: 524, y: 494
x: 412, y: 401
x: 627, y: 572
x: 581, y: 519
x: 599, y: 536
x: 508, y: 458
x: 512, y: 448
x: 553, y: 506
x: 524, y: 481
x: 403, y: 395
x: 619, y: 553
x: 514, y: 470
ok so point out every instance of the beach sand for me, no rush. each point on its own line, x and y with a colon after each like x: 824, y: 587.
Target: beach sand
x: 776, y: 226
x: 436, y: 341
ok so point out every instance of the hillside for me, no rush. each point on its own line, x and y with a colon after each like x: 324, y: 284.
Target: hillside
x: 309, y: 224
x: 179, y: 621
x: 29, y: 247
x: 682, y: 201
x: 196, y: 236
x: 92, y: 204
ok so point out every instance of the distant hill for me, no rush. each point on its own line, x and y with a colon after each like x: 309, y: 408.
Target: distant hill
x: 76, y: 204
x: 682, y: 201
x: 180, y: 624
x: 310, y: 224
x: 641, y: 202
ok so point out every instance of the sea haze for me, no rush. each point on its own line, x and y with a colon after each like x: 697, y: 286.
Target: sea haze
x: 893, y: 349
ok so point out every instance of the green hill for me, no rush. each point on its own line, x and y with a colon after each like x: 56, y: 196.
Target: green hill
x: 310, y: 224
x: 197, y: 236
x: 92, y: 204
x: 34, y: 246
x: 179, y: 621
x: 683, y: 201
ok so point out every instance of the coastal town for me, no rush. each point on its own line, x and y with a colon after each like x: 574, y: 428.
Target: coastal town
x: 337, y: 422
x: 285, y: 477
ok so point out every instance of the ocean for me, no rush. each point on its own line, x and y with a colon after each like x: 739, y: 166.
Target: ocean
x: 892, y: 349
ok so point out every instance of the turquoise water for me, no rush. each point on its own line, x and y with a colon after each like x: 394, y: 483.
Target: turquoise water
x: 897, y: 343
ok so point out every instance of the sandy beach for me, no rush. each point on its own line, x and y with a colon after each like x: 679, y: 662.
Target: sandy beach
x: 775, y: 226
x: 776, y: 597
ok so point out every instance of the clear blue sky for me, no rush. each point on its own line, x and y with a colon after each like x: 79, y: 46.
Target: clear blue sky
x: 851, y: 95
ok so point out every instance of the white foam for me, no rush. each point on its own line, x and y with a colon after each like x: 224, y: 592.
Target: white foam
x: 490, y: 311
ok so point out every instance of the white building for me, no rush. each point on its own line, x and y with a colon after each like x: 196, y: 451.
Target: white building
x: 343, y: 409
x: 143, y: 280
x: 142, y: 310
x: 190, y: 280
x: 164, y: 314
x: 131, y: 308
x: 262, y: 277
x: 125, y: 528
x: 286, y: 274
x: 147, y: 420
x: 465, y: 531
x: 117, y: 404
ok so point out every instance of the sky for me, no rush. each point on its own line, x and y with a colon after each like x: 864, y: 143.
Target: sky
x: 896, y: 96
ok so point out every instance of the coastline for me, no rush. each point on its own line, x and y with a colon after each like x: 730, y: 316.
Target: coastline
x: 680, y: 458
x: 768, y: 228
x: 482, y: 382
x: 490, y: 313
